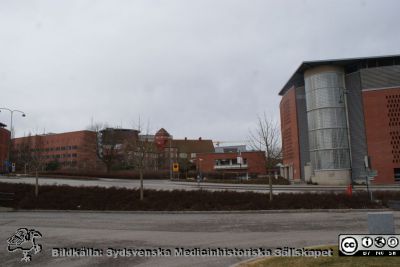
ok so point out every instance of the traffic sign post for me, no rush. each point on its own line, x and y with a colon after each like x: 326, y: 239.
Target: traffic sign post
x: 370, y: 174
x: 175, y: 168
x: 370, y: 177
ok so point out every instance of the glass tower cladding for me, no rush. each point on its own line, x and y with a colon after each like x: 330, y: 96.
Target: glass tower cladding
x: 326, y: 115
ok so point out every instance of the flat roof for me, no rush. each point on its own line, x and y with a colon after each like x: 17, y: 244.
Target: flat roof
x: 356, y: 63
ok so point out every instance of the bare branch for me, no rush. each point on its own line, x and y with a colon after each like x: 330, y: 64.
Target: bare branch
x: 266, y: 137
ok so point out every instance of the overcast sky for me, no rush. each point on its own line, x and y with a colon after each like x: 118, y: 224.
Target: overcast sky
x: 195, y: 67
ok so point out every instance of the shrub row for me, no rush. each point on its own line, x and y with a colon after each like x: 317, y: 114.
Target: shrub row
x: 98, y: 198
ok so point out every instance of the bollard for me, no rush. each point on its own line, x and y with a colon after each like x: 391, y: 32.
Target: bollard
x: 349, y: 190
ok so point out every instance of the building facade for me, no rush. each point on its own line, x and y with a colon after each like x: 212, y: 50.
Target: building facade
x: 182, y: 151
x: 229, y: 163
x: 5, y: 136
x: 71, y: 150
x: 337, y: 113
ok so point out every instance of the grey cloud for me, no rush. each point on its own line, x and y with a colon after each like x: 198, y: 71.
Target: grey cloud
x: 197, y: 68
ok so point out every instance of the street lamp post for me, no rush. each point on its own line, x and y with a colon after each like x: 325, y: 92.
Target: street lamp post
x: 11, y: 128
x: 201, y: 175
x: 170, y: 157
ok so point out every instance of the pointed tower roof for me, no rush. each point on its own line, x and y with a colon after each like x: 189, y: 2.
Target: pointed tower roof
x: 162, y: 132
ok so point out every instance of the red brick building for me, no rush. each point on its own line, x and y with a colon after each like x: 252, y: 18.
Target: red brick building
x: 290, y: 135
x: 181, y: 151
x: 252, y: 162
x: 337, y: 113
x: 71, y: 150
x: 382, y: 126
x: 4, y: 143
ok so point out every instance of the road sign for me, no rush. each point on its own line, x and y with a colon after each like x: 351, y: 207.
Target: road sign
x: 175, y: 167
x: 372, y: 174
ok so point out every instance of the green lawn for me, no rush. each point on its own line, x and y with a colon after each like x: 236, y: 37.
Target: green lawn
x: 334, y: 261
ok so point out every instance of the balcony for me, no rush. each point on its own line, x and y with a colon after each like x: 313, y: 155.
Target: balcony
x: 231, y: 167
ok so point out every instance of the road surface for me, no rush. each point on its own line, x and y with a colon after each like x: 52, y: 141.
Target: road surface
x: 171, y: 230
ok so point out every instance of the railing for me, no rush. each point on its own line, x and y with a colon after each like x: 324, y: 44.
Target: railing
x: 230, y: 167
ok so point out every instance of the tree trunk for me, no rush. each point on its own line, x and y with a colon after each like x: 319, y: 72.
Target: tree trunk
x: 37, y: 184
x: 141, y: 184
x: 108, y: 167
x: 270, y: 188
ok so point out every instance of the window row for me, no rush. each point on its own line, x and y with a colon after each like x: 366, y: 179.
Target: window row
x: 229, y: 162
x: 60, y: 156
x: 47, y: 149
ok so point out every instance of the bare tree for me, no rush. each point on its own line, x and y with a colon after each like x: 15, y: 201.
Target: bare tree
x: 37, y: 161
x: 266, y: 137
x: 21, y: 155
x: 142, y: 154
x: 106, y: 144
x: 30, y: 154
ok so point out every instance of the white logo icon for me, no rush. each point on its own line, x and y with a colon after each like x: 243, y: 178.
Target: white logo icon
x: 24, y: 239
x: 392, y: 242
x: 367, y: 242
x: 380, y: 242
x: 348, y: 245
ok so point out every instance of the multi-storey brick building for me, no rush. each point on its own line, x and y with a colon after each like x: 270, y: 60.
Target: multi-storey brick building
x: 183, y: 151
x: 4, y: 143
x: 337, y: 113
x: 71, y: 150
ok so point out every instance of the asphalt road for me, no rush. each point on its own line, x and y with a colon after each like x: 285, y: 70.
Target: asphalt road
x: 181, y: 185
x: 169, y: 230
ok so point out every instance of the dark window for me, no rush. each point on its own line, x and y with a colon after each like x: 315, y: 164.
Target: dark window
x: 397, y: 174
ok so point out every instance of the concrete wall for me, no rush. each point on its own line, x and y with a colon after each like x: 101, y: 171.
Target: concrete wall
x: 333, y: 177
x: 303, y: 129
x: 358, y: 140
